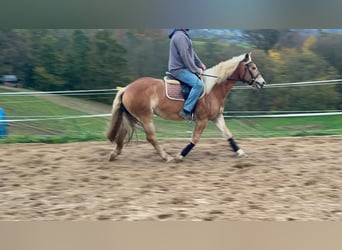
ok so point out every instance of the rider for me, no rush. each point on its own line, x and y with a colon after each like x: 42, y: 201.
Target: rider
x: 185, y: 65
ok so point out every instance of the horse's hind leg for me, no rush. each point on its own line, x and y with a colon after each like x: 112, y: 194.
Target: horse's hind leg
x: 116, y: 152
x: 221, y: 125
x: 151, y: 138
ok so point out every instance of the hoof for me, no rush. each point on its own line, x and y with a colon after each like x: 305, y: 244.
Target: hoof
x: 166, y: 157
x: 111, y: 156
x: 169, y: 159
x: 241, y: 153
x: 179, y: 158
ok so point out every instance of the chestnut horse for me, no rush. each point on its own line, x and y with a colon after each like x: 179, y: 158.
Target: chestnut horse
x: 140, y: 100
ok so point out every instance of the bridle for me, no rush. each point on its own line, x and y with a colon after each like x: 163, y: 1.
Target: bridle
x: 243, y: 79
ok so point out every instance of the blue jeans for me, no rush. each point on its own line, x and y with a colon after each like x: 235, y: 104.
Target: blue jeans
x: 196, y: 85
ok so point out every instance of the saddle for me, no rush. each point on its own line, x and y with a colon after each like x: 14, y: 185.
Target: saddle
x: 175, y: 89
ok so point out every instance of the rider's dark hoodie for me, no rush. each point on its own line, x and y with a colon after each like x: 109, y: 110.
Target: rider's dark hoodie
x: 182, y: 54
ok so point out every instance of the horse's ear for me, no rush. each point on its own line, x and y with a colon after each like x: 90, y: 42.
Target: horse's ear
x: 247, y: 57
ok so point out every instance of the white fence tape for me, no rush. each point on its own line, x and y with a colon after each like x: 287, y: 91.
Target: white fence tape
x: 113, y: 91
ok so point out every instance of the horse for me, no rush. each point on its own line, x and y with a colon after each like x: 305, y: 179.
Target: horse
x: 136, y: 103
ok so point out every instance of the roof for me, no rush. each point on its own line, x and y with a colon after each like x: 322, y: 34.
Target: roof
x: 9, y: 78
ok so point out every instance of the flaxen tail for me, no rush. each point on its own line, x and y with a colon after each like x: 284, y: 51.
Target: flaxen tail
x: 121, y: 127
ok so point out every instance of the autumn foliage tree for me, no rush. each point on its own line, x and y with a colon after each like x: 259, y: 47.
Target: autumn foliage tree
x: 59, y: 59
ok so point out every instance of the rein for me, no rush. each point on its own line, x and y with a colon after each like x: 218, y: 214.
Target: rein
x: 209, y: 75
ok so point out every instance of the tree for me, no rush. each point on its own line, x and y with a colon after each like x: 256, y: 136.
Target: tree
x: 106, y: 63
x: 77, y: 65
x: 213, y: 52
x: 14, y: 53
x: 329, y: 46
x: 49, y: 64
x: 289, y: 39
x: 295, y: 65
x: 147, y: 52
x: 263, y: 39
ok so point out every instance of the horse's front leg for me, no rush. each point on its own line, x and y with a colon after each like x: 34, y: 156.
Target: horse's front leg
x: 199, y: 128
x: 221, y: 125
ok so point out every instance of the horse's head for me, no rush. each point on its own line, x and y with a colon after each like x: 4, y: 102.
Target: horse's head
x: 249, y: 73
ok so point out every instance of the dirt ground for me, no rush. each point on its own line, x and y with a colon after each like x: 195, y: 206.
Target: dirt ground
x: 282, y: 179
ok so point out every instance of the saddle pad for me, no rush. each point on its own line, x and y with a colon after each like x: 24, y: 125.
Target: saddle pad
x: 173, y: 89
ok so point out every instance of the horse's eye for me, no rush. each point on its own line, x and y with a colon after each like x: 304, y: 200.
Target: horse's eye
x: 253, y: 68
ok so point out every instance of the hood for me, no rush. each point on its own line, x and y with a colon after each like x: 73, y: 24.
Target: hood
x: 175, y: 30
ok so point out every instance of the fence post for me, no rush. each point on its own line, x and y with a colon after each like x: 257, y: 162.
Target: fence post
x: 3, y: 123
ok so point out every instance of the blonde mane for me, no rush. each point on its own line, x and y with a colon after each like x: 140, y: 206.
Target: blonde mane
x: 221, y: 72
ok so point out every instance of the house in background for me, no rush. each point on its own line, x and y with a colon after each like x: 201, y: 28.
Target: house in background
x: 10, y: 81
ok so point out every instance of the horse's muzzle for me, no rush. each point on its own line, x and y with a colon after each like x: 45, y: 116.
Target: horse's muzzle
x: 258, y: 85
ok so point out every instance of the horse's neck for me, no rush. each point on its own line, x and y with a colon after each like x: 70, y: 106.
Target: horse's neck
x: 218, y: 74
x: 221, y: 91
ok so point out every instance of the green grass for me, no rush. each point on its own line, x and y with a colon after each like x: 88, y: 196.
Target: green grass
x: 89, y: 129
x: 53, y: 130
x: 299, y: 126
x: 258, y: 127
